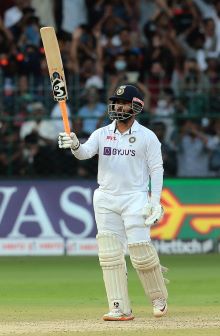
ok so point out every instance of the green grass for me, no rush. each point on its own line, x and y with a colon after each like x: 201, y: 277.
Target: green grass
x: 57, y: 289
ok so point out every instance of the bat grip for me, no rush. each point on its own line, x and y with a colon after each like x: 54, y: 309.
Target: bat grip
x: 64, y: 113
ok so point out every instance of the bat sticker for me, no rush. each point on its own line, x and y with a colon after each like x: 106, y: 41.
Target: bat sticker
x: 58, y: 87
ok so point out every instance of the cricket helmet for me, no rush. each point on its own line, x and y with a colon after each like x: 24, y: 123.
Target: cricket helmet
x: 127, y: 93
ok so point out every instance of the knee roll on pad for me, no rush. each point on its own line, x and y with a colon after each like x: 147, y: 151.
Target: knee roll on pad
x: 110, y: 251
x: 143, y: 256
x: 112, y: 261
x: 145, y: 260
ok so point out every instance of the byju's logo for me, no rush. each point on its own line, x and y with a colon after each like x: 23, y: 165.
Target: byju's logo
x: 115, y: 151
x: 107, y: 151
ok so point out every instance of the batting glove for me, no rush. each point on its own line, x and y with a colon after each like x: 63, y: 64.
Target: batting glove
x: 66, y: 140
x: 153, y: 213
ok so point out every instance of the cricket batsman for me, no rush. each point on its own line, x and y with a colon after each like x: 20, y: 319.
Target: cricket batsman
x: 129, y: 155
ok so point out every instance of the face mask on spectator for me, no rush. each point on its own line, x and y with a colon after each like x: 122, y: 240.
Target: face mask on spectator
x: 120, y: 65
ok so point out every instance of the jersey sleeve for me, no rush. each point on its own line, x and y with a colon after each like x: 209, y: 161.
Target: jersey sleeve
x: 89, y: 148
x: 155, y: 164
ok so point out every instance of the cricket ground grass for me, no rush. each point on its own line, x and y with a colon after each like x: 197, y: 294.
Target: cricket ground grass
x: 66, y: 296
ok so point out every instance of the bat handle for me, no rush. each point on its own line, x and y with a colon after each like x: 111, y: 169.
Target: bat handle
x: 63, y: 109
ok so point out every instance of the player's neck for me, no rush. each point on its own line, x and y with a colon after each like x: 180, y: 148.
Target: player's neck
x: 125, y: 125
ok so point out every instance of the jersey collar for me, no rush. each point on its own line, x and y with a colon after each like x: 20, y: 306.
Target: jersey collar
x: 134, y: 127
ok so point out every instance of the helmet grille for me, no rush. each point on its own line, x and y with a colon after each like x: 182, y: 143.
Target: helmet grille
x: 121, y: 114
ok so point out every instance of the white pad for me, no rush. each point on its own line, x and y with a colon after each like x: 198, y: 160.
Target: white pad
x: 112, y: 261
x: 145, y: 260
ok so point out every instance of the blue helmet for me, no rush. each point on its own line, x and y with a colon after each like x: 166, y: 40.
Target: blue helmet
x: 128, y: 93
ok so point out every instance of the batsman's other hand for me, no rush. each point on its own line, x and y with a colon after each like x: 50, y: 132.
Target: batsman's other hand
x: 66, y: 140
x: 153, y: 213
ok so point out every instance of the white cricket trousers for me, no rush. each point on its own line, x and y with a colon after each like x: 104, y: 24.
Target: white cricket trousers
x: 122, y: 216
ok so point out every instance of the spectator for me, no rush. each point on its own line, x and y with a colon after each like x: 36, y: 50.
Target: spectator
x: 212, y: 70
x: 123, y: 9
x: 125, y: 42
x: 39, y: 138
x: 31, y: 33
x: 210, y: 9
x: 147, y: 10
x: 110, y: 27
x: 200, y: 41
x: 168, y: 153
x: 215, y: 143
x: 13, y: 15
x: 211, y: 43
x: 212, y: 73
x: 25, y: 93
x: 160, y: 23
x: 156, y: 81
x: 95, y: 9
x: 86, y: 54
x: 45, y: 10
x: 38, y: 125
x: 193, y: 150
x: 164, y: 112
x: 29, y: 154
x: 184, y: 13
x: 6, y: 38
x: 36, y: 157
x: 56, y: 118
x: 117, y: 70
x: 159, y: 51
x: 93, y: 111
x: 11, y: 162
x: 74, y: 15
x: 193, y: 87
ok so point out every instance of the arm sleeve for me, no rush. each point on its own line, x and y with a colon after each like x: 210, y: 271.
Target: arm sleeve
x: 155, y: 164
x: 89, y: 148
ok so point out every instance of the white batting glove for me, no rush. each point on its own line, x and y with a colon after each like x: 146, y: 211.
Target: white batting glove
x: 153, y: 212
x: 66, y: 140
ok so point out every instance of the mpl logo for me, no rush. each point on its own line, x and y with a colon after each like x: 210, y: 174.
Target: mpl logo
x: 107, y: 151
x: 110, y: 137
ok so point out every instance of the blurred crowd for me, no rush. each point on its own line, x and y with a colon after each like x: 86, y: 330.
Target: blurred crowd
x: 170, y: 49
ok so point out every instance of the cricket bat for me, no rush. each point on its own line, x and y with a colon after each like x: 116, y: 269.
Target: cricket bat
x: 56, y: 71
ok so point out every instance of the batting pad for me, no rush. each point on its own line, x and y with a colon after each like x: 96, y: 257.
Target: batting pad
x: 145, y: 260
x: 112, y: 261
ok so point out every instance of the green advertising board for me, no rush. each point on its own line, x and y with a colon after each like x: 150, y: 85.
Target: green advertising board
x: 192, y: 210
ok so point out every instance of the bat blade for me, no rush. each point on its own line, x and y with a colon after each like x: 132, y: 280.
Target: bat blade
x: 56, y: 71
x: 54, y: 63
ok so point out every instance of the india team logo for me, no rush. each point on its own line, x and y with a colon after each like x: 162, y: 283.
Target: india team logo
x: 121, y: 90
x: 132, y: 139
